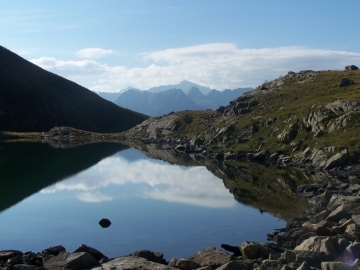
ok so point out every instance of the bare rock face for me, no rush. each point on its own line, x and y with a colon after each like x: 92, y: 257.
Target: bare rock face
x: 253, y: 250
x: 211, y: 257
x: 78, y: 260
x: 136, y: 263
x: 246, y: 133
x: 94, y: 252
x: 288, y: 134
x: 339, y: 159
x: 331, y: 116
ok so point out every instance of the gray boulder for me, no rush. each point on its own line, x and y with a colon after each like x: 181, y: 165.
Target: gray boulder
x: 8, y: 254
x: 211, y: 257
x: 55, y: 250
x: 134, y: 263
x: 185, y: 264
x: 236, y: 265
x: 149, y: 255
x: 332, y: 246
x: 343, y: 211
x: 270, y: 265
x: 78, y: 260
x: 339, y: 159
x: 288, y: 256
x: 345, y: 82
x: 253, y: 250
x: 94, y: 252
x: 312, y: 258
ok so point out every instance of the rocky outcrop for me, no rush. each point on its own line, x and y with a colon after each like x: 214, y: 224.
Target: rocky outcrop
x: 288, y: 134
x: 331, y: 116
x: 351, y: 67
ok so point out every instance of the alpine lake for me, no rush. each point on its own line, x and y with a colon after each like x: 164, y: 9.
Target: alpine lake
x: 156, y: 199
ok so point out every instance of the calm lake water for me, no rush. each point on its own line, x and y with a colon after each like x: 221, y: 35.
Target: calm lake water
x: 152, y: 204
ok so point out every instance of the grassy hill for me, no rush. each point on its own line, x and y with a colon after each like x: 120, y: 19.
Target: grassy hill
x: 32, y: 99
x: 310, y: 114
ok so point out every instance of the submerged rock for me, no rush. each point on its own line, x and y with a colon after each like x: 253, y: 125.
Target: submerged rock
x: 105, y: 223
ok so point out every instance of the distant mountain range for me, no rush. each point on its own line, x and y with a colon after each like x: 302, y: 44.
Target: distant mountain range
x: 161, y: 100
x: 33, y: 99
x: 185, y: 86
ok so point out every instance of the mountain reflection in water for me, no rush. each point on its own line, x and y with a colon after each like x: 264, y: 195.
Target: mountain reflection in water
x: 152, y: 204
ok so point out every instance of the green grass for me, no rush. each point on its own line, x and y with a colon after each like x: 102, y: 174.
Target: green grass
x: 289, y: 104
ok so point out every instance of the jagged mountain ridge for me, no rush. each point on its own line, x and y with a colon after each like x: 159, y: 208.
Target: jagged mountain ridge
x: 184, y: 85
x: 157, y: 104
x: 33, y: 99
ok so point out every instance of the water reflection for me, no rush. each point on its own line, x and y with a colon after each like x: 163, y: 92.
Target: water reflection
x: 151, y: 204
x: 26, y: 168
x: 151, y: 179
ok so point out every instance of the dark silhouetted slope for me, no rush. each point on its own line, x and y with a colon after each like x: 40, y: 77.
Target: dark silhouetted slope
x: 32, y: 99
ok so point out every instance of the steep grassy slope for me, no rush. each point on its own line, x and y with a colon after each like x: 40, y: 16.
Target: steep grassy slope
x: 32, y: 99
x: 312, y: 110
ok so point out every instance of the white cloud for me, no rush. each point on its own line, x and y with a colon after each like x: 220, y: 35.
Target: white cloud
x: 72, y: 68
x: 93, y: 197
x: 93, y: 53
x: 219, y: 66
x: 194, y: 185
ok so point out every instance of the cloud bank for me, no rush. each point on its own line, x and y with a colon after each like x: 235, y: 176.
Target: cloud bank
x: 219, y: 66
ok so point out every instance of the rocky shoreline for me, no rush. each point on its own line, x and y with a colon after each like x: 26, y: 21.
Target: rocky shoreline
x: 325, y: 237
x: 338, y: 165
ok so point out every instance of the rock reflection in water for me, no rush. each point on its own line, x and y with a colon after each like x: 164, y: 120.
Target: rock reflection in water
x: 266, y: 188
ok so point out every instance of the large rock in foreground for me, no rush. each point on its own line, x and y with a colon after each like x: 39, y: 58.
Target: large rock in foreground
x: 126, y: 263
x: 211, y: 257
x: 77, y: 260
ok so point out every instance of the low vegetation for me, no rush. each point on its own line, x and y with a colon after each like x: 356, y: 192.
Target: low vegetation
x: 309, y: 109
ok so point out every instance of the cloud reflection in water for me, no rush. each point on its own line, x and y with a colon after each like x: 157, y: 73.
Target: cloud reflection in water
x: 153, y: 179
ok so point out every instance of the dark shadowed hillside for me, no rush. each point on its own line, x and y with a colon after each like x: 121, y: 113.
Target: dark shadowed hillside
x: 32, y: 99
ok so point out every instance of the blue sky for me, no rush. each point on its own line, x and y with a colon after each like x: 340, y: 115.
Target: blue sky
x: 110, y: 45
